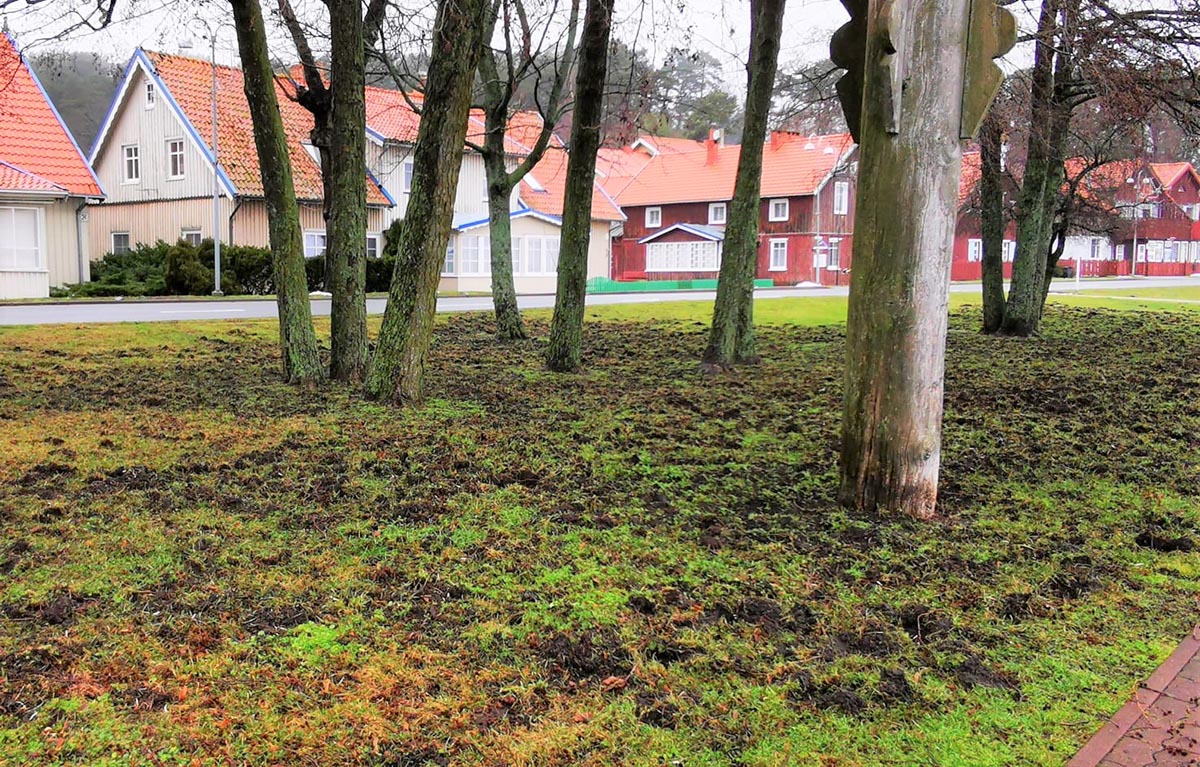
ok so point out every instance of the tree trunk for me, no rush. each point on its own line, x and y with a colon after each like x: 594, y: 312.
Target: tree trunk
x: 907, y: 197
x: 731, y: 339
x: 566, y: 328
x: 346, y: 201
x: 991, y: 214
x: 298, y: 341
x: 398, y: 367
x: 1056, y: 246
x: 509, y: 325
x: 1022, y: 314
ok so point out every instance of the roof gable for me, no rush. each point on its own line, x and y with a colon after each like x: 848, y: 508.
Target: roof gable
x: 35, y: 143
x: 545, y: 189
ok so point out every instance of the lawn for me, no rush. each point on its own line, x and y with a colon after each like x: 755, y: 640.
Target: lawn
x: 632, y: 566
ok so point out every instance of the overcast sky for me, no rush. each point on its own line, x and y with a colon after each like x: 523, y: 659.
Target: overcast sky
x: 719, y: 27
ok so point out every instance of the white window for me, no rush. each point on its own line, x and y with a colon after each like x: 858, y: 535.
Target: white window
x: 408, y: 174
x: 120, y: 243
x: 974, y: 250
x: 516, y: 255
x: 131, y: 171
x: 21, y: 240
x: 1154, y: 251
x: 533, y: 255
x: 174, y: 158
x: 1169, y: 251
x: 151, y: 96
x: 1010, y: 250
x: 192, y: 237
x: 372, y: 246
x: 779, y: 249
x: 476, y: 255
x: 1141, y: 252
x: 683, y: 257
x: 717, y: 213
x: 550, y: 247
x: 1099, y: 250
x: 778, y: 210
x: 448, y: 264
x: 841, y: 198
x: 835, y: 252
x: 653, y: 218
x: 314, y: 244
x: 1120, y: 256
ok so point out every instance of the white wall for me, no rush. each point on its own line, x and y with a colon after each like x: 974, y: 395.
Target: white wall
x: 599, y: 249
x: 60, y: 250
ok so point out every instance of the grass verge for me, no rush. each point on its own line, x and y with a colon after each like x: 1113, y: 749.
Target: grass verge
x: 635, y: 565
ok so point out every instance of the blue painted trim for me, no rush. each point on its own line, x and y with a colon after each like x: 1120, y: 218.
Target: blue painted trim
x: 518, y: 213
x: 106, y: 123
x: 375, y: 135
x: 705, y: 235
x: 212, y: 157
x: 57, y: 116
x: 379, y: 186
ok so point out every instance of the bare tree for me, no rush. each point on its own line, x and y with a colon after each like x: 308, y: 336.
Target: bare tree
x: 566, y: 328
x: 301, y: 362
x: 731, y: 338
x: 398, y: 367
x: 502, y: 73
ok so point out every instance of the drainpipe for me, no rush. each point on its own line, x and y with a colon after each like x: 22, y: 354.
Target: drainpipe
x: 81, y: 257
x: 817, y: 236
x: 236, y: 207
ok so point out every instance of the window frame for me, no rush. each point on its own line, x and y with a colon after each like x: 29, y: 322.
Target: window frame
x: 39, y: 233
x: 656, y: 210
x: 787, y: 209
x: 974, y: 250
x: 374, y: 237
x: 112, y: 242
x: 771, y: 246
x: 841, y: 198
x: 189, y: 232
x: 406, y: 175
x: 450, y: 258
x: 724, y: 208
x: 675, y: 257
x: 314, y: 233
x: 171, y: 155
x: 150, y: 94
x: 834, y: 257
x: 136, y: 157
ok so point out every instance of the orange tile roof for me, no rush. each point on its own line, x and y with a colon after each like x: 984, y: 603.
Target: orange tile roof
x: 551, y: 175
x: 390, y: 115
x: 189, y: 83
x: 794, y: 165
x: 1170, y: 172
x: 969, y: 177
x: 38, y: 151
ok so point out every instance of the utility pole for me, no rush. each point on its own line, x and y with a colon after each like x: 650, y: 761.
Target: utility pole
x: 920, y: 77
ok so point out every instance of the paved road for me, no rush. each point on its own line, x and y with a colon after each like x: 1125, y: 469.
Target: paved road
x: 167, y: 311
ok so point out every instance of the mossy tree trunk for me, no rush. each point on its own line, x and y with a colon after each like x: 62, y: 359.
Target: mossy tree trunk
x: 992, y: 219
x: 731, y: 339
x: 398, y: 368
x: 345, y: 254
x: 498, y: 91
x: 1049, y: 123
x: 907, y: 197
x: 298, y: 341
x: 566, y: 328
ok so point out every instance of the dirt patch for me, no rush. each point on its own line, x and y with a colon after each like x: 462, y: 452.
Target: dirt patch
x: 923, y: 623
x: 974, y: 672
x: 587, y: 655
x: 1165, y: 542
x: 656, y: 709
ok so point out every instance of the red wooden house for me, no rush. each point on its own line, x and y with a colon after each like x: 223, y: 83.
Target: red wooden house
x: 676, y: 201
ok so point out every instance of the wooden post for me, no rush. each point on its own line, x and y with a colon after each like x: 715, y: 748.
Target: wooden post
x: 910, y: 93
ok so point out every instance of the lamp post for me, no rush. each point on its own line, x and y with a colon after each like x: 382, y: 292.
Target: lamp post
x: 211, y: 31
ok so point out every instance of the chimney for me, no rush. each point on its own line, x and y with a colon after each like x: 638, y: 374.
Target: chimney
x: 712, y: 147
x: 776, y: 140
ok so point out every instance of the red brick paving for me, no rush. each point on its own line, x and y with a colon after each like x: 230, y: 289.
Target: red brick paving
x: 1161, y: 725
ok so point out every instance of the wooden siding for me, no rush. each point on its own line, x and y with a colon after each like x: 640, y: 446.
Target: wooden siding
x: 150, y: 129
x: 149, y: 222
x: 387, y: 165
x: 599, y: 248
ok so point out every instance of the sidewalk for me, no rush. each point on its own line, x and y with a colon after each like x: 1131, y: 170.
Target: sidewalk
x: 1161, y: 725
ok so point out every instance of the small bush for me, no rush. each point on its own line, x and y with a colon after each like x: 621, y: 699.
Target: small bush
x: 185, y: 275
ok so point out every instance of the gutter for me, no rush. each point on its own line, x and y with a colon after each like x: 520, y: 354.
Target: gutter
x: 236, y: 207
x: 84, y: 272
